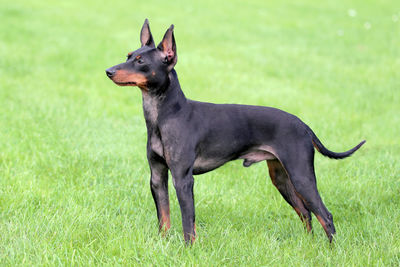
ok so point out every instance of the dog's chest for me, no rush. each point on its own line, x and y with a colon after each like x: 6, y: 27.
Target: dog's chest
x: 150, y: 108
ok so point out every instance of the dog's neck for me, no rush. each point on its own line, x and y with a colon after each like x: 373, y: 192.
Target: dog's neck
x: 168, y: 99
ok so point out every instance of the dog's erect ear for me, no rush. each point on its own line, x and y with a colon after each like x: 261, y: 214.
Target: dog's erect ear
x: 145, y: 35
x: 168, y: 47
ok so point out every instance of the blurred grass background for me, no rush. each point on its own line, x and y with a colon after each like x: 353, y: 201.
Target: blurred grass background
x: 74, y: 180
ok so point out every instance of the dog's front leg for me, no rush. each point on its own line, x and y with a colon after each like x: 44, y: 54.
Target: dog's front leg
x: 159, y: 190
x: 183, y: 182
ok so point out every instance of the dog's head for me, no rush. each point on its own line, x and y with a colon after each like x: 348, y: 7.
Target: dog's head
x: 147, y: 67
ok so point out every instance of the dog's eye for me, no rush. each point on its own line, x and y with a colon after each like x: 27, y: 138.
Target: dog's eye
x: 140, y: 61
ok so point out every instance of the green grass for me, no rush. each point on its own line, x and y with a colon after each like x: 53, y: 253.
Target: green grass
x: 74, y: 180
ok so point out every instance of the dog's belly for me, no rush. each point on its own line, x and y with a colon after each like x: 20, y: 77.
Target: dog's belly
x: 253, y: 155
x: 203, y: 165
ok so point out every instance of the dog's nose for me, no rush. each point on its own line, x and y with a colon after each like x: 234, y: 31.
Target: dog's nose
x: 110, y: 73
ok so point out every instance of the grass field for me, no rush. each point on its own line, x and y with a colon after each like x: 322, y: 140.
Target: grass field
x: 74, y: 180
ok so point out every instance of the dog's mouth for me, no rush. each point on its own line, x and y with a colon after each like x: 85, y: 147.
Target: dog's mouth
x: 128, y: 78
x: 126, y: 83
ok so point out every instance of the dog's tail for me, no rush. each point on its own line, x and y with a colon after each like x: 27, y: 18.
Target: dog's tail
x: 330, y: 154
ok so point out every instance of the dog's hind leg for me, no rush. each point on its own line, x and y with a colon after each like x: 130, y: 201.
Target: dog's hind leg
x: 300, y: 168
x: 282, y: 182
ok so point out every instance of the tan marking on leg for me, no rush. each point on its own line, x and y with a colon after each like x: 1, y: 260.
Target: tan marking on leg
x: 322, y: 222
x: 271, y: 170
x: 195, y: 234
x: 165, y: 221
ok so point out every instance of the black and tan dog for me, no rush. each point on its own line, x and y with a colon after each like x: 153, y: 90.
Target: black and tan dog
x: 189, y: 137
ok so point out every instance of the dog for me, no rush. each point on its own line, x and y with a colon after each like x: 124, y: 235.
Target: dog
x: 189, y: 137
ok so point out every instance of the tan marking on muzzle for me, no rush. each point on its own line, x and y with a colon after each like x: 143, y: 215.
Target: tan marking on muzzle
x: 126, y: 78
